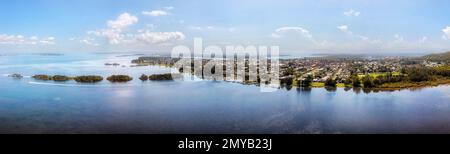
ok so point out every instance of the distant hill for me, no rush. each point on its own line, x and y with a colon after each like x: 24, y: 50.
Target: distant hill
x: 438, y: 57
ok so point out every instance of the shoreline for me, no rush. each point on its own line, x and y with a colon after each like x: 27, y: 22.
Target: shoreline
x: 397, y: 86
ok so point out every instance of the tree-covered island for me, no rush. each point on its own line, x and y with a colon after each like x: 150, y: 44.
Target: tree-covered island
x: 119, y: 78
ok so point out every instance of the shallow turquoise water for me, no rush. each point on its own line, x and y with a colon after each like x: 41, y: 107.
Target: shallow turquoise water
x: 29, y: 106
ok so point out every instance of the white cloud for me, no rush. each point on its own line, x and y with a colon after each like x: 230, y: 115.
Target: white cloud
x: 300, y: 30
x: 159, y: 37
x: 115, y: 28
x: 155, y: 13
x: 446, y: 31
x: 202, y: 28
x: 356, y: 42
x: 351, y: 13
x: 86, y: 40
x: 124, y: 20
x: 196, y: 28
x: 231, y: 29
x: 21, y: 40
x: 160, y: 12
x: 346, y: 29
x: 47, y: 41
x: 113, y: 36
x: 168, y: 8
x: 343, y: 28
x: 116, y: 34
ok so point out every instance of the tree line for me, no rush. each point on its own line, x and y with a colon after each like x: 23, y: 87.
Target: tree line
x: 409, y: 74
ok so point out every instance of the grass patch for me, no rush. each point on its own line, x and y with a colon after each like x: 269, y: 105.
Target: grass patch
x: 340, y: 85
x: 375, y: 75
x: 317, y: 84
x: 294, y: 82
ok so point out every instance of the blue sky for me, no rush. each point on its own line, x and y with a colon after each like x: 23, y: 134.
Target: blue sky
x: 297, y: 26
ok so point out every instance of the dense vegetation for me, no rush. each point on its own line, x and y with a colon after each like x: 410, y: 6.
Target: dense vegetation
x: 442, y: 71
x: 60, y: 78
x: 119, y: 78
x: 42, y: 77
x: 416, y: 76
x: 88, y: 79
x: 286, y: 81
x: 412, y: 75
x: 330, y: 83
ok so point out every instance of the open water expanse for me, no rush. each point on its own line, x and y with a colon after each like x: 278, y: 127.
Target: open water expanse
x: 31, y: 106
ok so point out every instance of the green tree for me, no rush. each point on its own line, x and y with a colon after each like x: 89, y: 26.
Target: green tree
x: 286, y: 81
x: 418, y: 74
x: 306, y: 82
x: 377, y: 82
x: 356, y: 82
x: 330, y: 82
x: 348, y: 81
x: 367, y: 81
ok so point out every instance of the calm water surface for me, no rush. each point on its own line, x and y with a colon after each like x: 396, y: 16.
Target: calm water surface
x: 30, y: 106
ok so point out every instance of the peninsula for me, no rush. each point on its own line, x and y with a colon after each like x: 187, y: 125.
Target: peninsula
x: 359, y: 71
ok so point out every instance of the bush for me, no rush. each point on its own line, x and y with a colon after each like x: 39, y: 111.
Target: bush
x: 286, y: 81
x: 88, y: 79
x: 330, y: 82
x: 418, y: 74
x: 119, y: 78
x: 42, y: 77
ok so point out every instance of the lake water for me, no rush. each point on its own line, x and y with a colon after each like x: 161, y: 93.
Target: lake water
x: 30, y: 106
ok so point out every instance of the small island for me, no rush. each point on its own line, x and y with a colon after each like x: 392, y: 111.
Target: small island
x: 88, y: 79
x: 42, y: 77
x: 119, y: 78
x: 143, y: 77
x: 16, y: 76
x: 112, y: 64
x: 160, y: 77
x: 61, y: 78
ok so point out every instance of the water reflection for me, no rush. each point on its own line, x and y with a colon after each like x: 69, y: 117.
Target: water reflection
x: 331, y: 89
x: 304, y: 89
